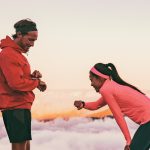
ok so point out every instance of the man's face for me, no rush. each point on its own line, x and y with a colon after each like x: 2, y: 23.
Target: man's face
x: 26, y: 41
x: 96, y: 82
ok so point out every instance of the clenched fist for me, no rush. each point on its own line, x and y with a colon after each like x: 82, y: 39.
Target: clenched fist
x: 79, y: 104
x: 36, y: 74
x: 42, y: 86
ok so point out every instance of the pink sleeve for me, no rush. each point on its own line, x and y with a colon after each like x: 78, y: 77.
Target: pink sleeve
x: 114, y: 107
x: 95, y: 105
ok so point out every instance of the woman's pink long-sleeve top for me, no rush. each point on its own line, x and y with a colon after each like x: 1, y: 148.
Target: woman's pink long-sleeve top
x: 123, y: 101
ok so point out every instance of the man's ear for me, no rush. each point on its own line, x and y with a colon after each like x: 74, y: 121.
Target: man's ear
x: 19, y: 35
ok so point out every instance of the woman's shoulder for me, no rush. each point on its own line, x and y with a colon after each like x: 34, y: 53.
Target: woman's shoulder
x: 108, y: 86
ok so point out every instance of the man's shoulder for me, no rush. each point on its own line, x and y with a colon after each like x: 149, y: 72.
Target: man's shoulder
x: 8, y: 52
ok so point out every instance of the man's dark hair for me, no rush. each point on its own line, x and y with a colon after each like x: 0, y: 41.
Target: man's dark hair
x: 24, y: 26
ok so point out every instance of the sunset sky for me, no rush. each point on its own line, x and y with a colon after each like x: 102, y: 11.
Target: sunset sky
x: 76, y: 34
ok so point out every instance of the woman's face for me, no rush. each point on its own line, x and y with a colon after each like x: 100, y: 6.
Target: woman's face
x: 96, y: 82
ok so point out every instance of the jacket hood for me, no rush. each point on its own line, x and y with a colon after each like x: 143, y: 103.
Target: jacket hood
x: 8, y: 42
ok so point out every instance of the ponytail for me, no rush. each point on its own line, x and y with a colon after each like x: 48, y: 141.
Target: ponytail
x: 115, y: 76
x: 110, y: 70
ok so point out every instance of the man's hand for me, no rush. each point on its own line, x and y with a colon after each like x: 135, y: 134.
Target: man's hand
x: 79, y: 104
x: 36, y: 74
x: 42, y: 86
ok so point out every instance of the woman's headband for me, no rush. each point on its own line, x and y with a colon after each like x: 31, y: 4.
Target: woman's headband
x: 93, y: 70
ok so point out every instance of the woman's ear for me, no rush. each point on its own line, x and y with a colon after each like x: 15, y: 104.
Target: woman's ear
x: 101, y: 79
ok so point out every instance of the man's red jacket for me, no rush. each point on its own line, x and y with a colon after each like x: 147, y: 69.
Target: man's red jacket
x: 16, y: 84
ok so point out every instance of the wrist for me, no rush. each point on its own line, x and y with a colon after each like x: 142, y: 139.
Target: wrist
x: 39, y: 82
x: 83, y: 104
x: 128, y: 142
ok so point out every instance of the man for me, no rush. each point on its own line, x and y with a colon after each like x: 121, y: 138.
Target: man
x: 17, y: 84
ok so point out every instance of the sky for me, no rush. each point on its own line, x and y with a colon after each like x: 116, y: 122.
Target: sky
x: 73, y: 134
x: 76, y: 34
x: 73, y: 36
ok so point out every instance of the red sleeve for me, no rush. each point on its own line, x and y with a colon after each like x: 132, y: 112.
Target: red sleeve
x: 95, y: 105
x: 15, y: 76
x: 114, y: 107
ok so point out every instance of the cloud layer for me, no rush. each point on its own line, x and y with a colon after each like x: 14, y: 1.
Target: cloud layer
x: 73, y: 134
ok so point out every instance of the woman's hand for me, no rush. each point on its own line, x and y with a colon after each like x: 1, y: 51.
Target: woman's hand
x: 79, y: 104
x: 127, y: 147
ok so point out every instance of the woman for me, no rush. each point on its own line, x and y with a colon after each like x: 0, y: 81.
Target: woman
x: 123, y: 99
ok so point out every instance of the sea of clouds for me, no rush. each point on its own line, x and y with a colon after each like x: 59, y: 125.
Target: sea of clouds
x: 73, y: 134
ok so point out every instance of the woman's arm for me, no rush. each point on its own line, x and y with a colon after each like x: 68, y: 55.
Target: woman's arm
x: 114, y: 107
x: 90, y: 105
x: 95, y: 105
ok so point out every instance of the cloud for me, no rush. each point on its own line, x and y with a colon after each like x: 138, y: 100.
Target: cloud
x: 72, y: 134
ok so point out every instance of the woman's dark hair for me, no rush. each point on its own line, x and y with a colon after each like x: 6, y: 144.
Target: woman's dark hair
x: 24, y: 26
x: 110, y: 70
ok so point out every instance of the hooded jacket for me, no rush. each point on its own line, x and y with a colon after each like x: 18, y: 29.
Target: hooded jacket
x: 16, y: 84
